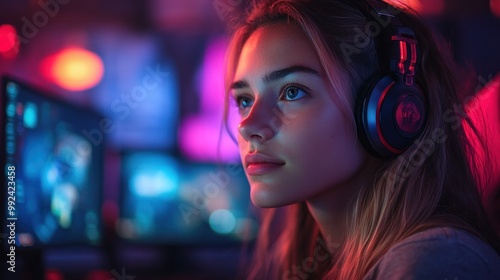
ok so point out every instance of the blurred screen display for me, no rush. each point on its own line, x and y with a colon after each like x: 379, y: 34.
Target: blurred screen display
x: 57, y: 168
x: 166, y: 200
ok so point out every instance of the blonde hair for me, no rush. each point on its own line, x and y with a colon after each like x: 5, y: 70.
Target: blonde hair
x: 431, y: 184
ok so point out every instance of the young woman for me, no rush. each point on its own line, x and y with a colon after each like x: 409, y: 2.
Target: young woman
x: 364, y: 178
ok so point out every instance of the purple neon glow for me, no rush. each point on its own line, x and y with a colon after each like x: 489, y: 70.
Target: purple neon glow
x: 200, y: 135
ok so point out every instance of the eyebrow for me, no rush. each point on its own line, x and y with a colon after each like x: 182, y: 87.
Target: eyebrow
x: 276, y: 75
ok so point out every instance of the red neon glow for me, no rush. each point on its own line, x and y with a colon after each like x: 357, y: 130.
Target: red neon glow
x: 495, y: 7
x: 53, y: 275
x: 74, y: 69
x: 484, y: 112
x: 432, y: 7
x: 9, y: 41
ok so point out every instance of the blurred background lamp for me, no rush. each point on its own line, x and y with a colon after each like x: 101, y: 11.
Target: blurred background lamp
x: 74, y: 69
x: 222, y: 221
x: 9, y: 41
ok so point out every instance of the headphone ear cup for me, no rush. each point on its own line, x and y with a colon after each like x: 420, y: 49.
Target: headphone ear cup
x: 389, y: 116
x: 362, y: 124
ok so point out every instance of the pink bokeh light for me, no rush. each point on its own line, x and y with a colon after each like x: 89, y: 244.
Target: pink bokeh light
x: 202, y: 136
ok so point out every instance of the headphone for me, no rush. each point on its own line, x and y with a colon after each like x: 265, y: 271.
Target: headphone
x: 391, y: 109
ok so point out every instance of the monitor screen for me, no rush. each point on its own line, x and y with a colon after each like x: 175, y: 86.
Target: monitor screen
x: 170, y: 201
x: 52, y: 170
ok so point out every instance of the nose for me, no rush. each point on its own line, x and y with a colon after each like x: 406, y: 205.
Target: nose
x: 256, y: 126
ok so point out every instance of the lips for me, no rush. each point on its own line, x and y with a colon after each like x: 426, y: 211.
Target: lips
x: 260, y: 164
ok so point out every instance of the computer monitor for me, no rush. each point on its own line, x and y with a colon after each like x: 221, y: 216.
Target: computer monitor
x: 170, y: 201
x: 52, y: 172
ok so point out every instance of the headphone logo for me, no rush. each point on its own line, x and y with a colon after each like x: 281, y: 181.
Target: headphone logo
x: 408, y: 116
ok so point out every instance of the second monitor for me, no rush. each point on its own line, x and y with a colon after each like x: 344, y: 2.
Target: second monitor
x: 169, y: 201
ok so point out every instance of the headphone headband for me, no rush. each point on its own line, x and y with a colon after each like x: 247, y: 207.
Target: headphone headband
x: 399, y: 43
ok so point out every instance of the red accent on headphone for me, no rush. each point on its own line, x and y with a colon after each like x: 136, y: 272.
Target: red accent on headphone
x: 379, y: 131
x: 402, y: 59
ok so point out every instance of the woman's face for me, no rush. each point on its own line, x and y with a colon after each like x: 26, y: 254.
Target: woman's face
x: 294, y: 142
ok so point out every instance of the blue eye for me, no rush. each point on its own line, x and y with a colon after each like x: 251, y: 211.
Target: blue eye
x: 243, y: 102
x: 291, y: 93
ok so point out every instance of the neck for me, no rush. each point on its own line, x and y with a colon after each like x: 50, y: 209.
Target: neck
x: 331, y: 216
x: 330, y: 210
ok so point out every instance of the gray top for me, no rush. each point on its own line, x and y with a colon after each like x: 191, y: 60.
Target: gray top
x: 438, y: 253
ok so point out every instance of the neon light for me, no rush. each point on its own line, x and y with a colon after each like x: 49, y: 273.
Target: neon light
x: 9, y: 41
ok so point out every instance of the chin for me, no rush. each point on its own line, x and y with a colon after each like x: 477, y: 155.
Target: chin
x: 264, y: 199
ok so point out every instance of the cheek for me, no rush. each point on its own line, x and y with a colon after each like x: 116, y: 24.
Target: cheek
x: 327, y: 147
x: 320, y: 133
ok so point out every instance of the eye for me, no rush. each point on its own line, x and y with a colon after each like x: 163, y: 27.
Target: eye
x: 291, y: 93
x: 243, y: 102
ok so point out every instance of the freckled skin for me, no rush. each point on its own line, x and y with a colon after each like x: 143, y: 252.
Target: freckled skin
x: 309, y: 134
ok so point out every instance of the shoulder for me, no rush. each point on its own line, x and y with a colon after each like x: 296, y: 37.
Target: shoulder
x: 438, y: 253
